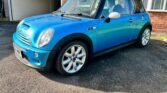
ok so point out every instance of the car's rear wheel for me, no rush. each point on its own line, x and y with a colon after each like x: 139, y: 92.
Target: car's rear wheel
x: 72, y: 58
x: 144, y: 37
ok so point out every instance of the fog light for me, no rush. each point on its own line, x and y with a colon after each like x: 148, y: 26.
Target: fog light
x: 36, y: 54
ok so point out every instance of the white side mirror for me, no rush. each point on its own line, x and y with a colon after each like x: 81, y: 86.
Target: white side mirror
x: 114, y: 15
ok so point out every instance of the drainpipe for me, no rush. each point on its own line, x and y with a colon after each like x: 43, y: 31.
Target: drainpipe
x: 63, y: 1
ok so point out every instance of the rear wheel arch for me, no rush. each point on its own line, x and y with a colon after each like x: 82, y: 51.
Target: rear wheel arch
x: 139, y: 39
x: 147, y: 25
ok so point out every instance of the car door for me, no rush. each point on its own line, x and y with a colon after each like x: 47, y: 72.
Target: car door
x: 117, y: 31
x: 138, y: 17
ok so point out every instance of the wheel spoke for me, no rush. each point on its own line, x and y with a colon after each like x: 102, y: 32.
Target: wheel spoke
x: 78, y: 50
x: 79, y: 61
x: 147, y: 38
x: 73, y: 50
x: 69, y: 66
x: 74, y: 66
x: 66, y: 61
x: 145, y: 41
x: 83, y: 59
x: 81, y: 55
x: 68, y: 54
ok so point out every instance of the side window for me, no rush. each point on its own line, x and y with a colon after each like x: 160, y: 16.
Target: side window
x: 120, y: 6
x: 139, y: 7
x: 87, y: 6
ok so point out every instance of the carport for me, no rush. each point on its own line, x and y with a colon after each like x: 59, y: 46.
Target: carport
x: 18, y: 9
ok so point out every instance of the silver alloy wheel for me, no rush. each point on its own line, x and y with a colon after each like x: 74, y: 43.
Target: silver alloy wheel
x: 146, y: 37
x: 74, y: 59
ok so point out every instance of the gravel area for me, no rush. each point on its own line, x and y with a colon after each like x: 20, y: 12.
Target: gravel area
x: 128, y: 70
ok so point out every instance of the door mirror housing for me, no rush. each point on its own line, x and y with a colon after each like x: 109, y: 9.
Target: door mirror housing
x: 113, y: 15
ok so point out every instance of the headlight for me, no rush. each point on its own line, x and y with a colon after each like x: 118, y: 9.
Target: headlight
x: 45, y: 38
x: 21, y: 22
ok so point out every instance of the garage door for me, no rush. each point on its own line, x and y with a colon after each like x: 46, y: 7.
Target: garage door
x: 26, y: 8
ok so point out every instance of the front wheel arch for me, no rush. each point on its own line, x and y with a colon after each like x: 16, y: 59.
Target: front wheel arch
x: 63, y: 42
x: 74, y: 37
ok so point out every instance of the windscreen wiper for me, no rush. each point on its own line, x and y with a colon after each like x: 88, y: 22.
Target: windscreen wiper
x: 78, y: 14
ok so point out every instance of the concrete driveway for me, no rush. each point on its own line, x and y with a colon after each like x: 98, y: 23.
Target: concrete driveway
x: 131, y: 69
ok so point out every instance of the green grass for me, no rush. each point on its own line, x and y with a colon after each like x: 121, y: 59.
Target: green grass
x: 159, y: 36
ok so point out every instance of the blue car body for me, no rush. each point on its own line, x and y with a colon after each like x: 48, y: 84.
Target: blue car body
x: 101, y: 35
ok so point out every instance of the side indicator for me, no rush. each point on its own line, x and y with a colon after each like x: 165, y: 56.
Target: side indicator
x: 91, y: 28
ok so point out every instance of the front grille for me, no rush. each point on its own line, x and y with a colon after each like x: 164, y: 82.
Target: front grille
x: 23, y: 38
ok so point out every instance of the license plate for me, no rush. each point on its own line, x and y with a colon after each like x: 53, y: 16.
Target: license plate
x: 18, y: 52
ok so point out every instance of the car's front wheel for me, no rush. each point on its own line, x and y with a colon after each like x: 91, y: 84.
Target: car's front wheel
x: 144, y: 37
x: 72, y: 58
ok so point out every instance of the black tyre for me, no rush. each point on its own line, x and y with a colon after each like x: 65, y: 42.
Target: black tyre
x: 72, y: 58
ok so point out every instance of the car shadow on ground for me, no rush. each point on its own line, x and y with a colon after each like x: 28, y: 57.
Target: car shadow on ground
x: 130, y: 69
x: 6, y: 32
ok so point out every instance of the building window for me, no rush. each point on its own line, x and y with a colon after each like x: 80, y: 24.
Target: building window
x: 145, y: 2
x: 155, y: 5
x: 166, y: 6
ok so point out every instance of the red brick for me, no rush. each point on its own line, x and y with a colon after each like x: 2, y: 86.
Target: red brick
x: 158, y: 20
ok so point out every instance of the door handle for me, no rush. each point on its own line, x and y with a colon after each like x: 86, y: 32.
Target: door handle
x: 142, y: 18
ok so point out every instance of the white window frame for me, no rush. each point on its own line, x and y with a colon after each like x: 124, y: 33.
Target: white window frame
x: 150, y: 4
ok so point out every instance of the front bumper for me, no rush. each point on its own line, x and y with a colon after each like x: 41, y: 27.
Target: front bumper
x: 30, y: 56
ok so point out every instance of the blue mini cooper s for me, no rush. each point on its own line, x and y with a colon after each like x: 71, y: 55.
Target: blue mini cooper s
x: 80, y: 29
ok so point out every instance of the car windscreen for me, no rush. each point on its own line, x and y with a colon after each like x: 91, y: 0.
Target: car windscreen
x: 84, y: 7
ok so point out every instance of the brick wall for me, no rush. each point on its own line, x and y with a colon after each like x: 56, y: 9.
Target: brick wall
x: 159, y: 21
